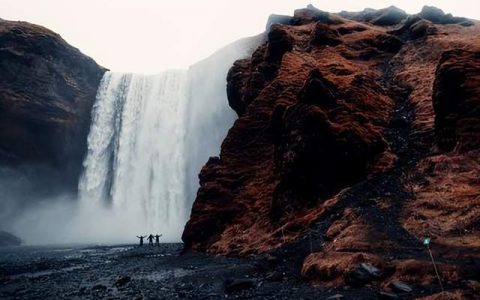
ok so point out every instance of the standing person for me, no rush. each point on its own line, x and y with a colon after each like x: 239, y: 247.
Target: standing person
x: 150, y: 240
x: 157, y: 239
x: 141, y: 239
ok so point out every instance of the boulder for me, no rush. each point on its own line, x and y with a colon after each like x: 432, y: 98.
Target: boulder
x: 362, y: 274
x: 400, y: 286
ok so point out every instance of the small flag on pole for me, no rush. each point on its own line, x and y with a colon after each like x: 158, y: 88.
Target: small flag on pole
x: 426, y: 241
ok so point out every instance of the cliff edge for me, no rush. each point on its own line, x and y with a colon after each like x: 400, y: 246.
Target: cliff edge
x: 358, y: 136
x: 47, y: 89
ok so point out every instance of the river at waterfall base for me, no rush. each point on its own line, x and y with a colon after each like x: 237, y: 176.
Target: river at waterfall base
x: 149, y: 137
x: 136, y: 158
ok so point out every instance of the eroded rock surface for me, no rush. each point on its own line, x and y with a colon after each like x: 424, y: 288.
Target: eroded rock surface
x: 357, y: 136
x: 47, y: 89
x: 456, y: 100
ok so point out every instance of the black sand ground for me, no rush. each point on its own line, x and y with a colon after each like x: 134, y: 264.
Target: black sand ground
x: 131, y: 272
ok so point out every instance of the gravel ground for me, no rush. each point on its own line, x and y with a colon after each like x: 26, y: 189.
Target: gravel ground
x: 148, y: 272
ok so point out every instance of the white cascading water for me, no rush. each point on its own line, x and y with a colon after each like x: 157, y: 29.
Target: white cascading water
x: 149, y: 137
x: 136, y: 147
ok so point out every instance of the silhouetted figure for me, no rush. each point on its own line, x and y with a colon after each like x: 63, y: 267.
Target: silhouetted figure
x: 150, y: 239
x: 141, y: 239
x: 157, y: 239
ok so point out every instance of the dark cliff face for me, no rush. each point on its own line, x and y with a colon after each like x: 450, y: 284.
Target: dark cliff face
x: 7, y: 239
x: 346, y: 123
x: 47, y: 89
x: 456, y: 100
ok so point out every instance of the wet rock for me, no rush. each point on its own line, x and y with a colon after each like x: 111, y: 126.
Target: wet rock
x: 370, y: 269
x: 335, y: 297
x: 400, y: 286
x: 236, y: 285
x: 385, y: 295
x: 123, y: 280
x: 362, y: 274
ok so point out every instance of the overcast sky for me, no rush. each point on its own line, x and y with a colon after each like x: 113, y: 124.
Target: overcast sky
x: 151, y: 35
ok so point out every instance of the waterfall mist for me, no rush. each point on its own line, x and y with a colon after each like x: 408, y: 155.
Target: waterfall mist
x: 136, y: 150
x: 149, y: 137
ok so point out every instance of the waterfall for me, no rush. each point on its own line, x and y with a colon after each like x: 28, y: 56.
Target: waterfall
x: 136, y: 157
x: 151, y: 134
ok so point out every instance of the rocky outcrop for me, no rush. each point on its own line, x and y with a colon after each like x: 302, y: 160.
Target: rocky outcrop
x: 302, y: 135
x: 47, y: 89
x: 456, y: 100
x: 437, y: 15
x: 383, y: 17
x: 8, y: 239
x: 343, y: 150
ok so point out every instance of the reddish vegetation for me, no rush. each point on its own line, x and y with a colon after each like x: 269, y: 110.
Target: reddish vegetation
x: 456, y: 100
x: 361, y: 130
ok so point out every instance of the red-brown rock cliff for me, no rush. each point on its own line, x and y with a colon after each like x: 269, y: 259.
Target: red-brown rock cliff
x: 357, y: 130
